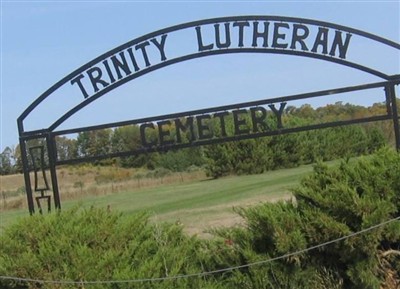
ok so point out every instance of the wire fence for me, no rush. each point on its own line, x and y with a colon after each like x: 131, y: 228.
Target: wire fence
x: 200, y: 274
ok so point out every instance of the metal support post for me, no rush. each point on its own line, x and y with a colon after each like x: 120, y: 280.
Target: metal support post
x: 391, y: 93
x: 25, y: 166
x: 52, y: 152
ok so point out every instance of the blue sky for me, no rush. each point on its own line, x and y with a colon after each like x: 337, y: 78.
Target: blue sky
x: 43, y: 41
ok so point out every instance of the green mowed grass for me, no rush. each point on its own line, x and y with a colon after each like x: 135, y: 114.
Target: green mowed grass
x: 197, y: 204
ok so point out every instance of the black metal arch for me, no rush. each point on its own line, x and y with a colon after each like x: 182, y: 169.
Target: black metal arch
x: 202, y: 54
x: 48, y: 135
x: 208, y: 53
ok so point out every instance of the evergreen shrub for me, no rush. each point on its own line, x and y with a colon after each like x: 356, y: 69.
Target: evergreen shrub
x: 96, y: 244
x: 330, y: 203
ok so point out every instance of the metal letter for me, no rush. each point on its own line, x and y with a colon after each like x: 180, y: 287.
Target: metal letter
x: 296, y: 37
x: 181, y: 127
x: 162, y: 134
x: 96, y: 79
x: 160, y: 46
x: 258, y: 116
x: 78, y: 81
x: 142, y: 47
x: 118, y: 65
x: 238, y: 122
x: 202, y: 47
x: 133, y: 59
x: 278, y: 113
x: 221, y: 116
x: 321, y: 39
x: 263, y: 35
x: 110, y: 75
x: 218, y: 36
x: 202, y: 128
x: 338, y: 43
x: 278, y: 35
x: 143, y: 135
x: 241, y: 26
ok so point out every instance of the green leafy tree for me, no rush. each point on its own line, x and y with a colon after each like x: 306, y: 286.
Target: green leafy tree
x: 219, y: 159
x: 180, y: 160
x: 66, y: 148
x: 6, y: 162
x: 127, y: 138
x: 94, y: 143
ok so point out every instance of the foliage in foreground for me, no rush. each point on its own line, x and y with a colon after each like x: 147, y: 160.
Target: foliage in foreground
x: 330, y: 203
x: 93, y: 244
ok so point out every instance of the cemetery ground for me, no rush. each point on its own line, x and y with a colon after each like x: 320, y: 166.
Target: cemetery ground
x: 190, y: 198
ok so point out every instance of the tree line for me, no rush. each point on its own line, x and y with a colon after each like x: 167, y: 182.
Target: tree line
x: 239, y: 157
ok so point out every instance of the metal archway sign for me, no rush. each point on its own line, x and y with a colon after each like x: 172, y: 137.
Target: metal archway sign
x: 227, y: 35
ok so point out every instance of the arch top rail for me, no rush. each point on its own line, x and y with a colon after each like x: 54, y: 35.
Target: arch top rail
x: 265, y: 34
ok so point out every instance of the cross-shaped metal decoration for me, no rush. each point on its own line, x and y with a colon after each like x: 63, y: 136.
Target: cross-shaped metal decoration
x: 41, y: 184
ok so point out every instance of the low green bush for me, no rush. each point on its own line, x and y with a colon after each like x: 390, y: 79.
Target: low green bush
x: 329, y: 204
x: 95, y: 244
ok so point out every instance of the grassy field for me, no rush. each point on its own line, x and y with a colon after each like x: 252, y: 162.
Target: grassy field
x: 198, y: 204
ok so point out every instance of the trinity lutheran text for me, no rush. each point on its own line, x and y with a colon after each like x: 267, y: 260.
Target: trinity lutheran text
x: 235, y: 36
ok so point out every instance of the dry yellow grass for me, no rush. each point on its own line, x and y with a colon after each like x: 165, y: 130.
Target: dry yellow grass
x: 11, y: 182
x: 78, y: 181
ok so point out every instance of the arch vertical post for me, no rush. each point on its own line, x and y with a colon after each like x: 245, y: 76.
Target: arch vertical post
x: 25, y: 167
x: 52, y: 152
x: 391, y: 94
